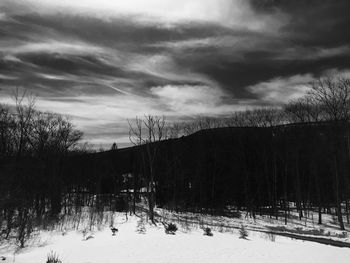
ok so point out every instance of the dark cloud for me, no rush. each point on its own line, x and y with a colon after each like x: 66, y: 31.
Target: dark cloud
x: 312, y: 22
x: 121, y: 33
x: 261, y: 66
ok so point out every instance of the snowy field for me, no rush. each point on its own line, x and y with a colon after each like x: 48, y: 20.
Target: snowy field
x: 188, y: 245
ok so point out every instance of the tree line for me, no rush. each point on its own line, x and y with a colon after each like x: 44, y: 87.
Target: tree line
x: 262, y: 160
x: 33, y: 145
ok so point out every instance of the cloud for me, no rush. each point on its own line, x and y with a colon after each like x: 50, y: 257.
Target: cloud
x: 313, y: 53
x: 281, y: 90
x: 278, y: 91
x: 5, y: 77
x: 11, y: 58
x: 189, y: 100
x: 165, y: 68
x: 54, y: 47
x: 3, y: 17
x: 233, y: 13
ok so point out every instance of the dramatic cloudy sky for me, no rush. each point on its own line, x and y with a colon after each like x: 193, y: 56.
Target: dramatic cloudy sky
x: 103, y: 61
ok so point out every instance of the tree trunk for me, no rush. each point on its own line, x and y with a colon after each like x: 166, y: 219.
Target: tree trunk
x: 339, y: 212
x: 298, y: 190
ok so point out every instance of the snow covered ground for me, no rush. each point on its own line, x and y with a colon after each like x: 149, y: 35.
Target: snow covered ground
x: 188, y: 245
x: 307, y: 227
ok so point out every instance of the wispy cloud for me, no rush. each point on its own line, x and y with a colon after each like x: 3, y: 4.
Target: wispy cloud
x: 189, y: 100
x: 313, y: 53
x: 51, y: 46
x: 278, y: 90
x: 232, y: 13
x: 3, y: 17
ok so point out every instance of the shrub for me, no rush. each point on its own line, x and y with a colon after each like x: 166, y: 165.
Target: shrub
x: 170, y: 229
x: 52, y: 257
x: 141, y: 229
x: 343, y: 235
x: 25, y: 227
x: 207, y: 232
x: 243, y: 233
x: 114, y: 231
x: 271, y: 237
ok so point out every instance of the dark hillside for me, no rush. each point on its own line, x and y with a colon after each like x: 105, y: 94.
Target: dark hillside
x: 254, y: 167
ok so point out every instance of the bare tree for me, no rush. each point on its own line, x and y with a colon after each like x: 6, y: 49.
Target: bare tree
x: 175, y: 130
x: 148, y: 131
x: 262, y: 117
x: 25, y: 108
x: 268, y: 117
x: 189, y: 128
x: 305, y: 109
x: 52, y: 133
x: 332, y: 93
x: 7, y: 127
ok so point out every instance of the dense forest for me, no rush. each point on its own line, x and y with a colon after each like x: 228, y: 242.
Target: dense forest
x: 266, y: 161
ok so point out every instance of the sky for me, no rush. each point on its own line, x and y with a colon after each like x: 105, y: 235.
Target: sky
x: 102, y: 62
